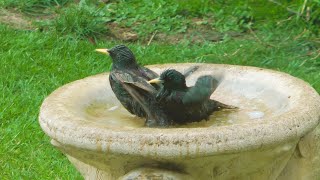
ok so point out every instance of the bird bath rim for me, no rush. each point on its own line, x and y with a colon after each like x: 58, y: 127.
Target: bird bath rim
x: 168, y: 143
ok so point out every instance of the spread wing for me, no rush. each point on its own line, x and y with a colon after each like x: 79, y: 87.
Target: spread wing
x: 133, y: 81
x: 201, y: 91
x: 148, y: 73
x: 151, y: 74
x: 190, y: 70
x: 135, y: 95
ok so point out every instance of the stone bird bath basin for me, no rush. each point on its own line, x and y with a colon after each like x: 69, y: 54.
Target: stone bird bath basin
x: 273, y: 135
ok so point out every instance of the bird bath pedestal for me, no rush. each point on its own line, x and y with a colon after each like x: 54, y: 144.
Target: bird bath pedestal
x: 274, y: 134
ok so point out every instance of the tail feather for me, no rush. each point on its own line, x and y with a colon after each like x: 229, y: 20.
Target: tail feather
x: 218, y: 105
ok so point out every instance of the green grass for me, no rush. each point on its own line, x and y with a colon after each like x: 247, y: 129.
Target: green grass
x: 35, y: 63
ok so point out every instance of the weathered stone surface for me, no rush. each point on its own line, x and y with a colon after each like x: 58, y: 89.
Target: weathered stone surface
x: 284, y: 142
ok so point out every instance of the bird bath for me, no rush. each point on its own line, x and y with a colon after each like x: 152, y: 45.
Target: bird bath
x: 273, y: 135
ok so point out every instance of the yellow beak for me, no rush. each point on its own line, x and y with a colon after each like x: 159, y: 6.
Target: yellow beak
x: 155, y: 81
x: 103, y: 51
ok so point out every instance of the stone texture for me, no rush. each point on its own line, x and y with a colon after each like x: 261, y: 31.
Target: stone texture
x: 284, y: 142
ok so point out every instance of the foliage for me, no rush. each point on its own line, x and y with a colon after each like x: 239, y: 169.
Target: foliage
x: 34, y: 62
x: 81, y: 20
x: 146, y: 16
x: 240, y: 19
x: 195, y: 7
x: 312, y: 15
x: 88, y: 17
x: 33, y: 7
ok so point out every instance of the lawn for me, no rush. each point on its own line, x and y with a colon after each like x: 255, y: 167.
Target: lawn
x: 45, y: 44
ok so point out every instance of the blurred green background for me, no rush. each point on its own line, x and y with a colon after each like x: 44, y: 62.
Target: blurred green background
x: 48, y: 43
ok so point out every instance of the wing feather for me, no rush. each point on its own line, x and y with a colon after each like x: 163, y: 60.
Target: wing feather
x: 149, y: 73
x: 201, y: 91
x: 134, y: 81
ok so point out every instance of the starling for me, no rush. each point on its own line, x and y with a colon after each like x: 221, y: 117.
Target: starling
x: 129, y: 82
x: 187, y: 104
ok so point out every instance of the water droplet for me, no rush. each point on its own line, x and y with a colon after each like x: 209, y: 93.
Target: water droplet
x: 113, y: 108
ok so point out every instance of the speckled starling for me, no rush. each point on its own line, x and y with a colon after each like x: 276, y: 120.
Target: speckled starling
x: 129, y: 83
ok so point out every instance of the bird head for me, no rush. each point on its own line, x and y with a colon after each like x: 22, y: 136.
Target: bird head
x: 121, y: 55
x: 171, y: 79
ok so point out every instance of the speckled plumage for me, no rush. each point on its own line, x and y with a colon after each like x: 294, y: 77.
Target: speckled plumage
x: 129, y: 83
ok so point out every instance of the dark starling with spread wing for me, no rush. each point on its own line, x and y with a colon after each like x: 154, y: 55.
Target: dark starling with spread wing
x: 129, y: 82
x: 187, y: 104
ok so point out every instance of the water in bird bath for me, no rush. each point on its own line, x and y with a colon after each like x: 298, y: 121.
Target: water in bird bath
x: 112, y: 115
x: 84, y: 118
x: 253, y: 111
x: 116, y: 116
